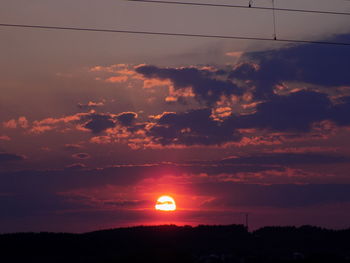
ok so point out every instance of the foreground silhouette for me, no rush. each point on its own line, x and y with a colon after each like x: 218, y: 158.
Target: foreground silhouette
x: 170, y: 243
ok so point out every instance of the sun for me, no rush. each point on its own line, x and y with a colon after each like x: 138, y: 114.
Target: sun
x: 165, y: 203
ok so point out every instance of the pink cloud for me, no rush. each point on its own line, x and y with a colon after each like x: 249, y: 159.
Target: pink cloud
x: 221, y: 113
x: 153, y: 83
x: 91, y: 104
x: 49, y: 124
x: 235, y: 54
x: 21, y: 122
x: 109, y: 69
x: 117, y: 79
x: 101, y: 139
x: 11, y: 124
x: 307, y: 149
x: 5, y: 138
x: 41, y: 129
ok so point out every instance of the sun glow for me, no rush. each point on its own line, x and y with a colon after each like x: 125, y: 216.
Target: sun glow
x: 165, y: 203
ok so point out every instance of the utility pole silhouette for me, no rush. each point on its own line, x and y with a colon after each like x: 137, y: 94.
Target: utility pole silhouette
x: 247, y: 221
x: 274, y: 20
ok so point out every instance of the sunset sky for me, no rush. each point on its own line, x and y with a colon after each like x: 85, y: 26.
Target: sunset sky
x: 94, y: 127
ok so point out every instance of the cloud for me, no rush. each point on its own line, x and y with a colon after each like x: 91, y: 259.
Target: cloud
x: 76, y: 166
x: 293, y: 115
x: 296, y: 111
x: 128, y: 203
x: 293, y: 112
x: 126, y: 118
x: 95, y: 122
x: 117, y: 79
x: 72, y: 147
x: 232, y: 100
x: 98, y: 123
x: 204, y: 83
x: 5, y: 138
x: 90, y: 105
x: 236, y: 54
x: 195, y: 127
x: 121, y: 175
x: 21, y: 122
x: 38, y: 204
x: 287, y: 159
x: 9, y: 157
x: 81, y: 155
x: 41, y: 193
x: 277, y: 195
x: 51, y: 123
x: 11, y: 124
x: 307, y: 63
x: 340, y: 112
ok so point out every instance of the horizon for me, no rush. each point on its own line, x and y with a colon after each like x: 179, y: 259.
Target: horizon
x: 270, y: 227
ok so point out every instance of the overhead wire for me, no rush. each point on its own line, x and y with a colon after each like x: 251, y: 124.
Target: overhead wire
x: 249, y: 6
x: 102, y: 30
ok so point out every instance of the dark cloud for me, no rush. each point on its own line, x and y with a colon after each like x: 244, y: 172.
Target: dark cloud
x: 81, y: 155
x: 72, y: 147
x: 128, y: 203
x: 276, y: 195
x: 8, y: 157
x: 293, y: 112
x: 127, y: 118
x: 296, y: 112
x: 261, y: 71
x: 194, y: 127
x: 310, y: 63
x: 98, y: 123
x: 204, y: 85
x: 34, y: 204
x: 287, y: 159
x: 317, y: 64
x: 76, y: 166
x: 340, y: 113
x: 28, y: 181
x: 263, y: 81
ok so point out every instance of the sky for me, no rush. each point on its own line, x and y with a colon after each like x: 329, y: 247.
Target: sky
x: 94, y: 127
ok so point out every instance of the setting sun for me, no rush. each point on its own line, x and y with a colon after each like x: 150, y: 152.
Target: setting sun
x: 165, y: 203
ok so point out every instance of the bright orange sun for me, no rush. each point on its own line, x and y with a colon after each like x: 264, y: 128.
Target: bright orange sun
x: 165, y: 203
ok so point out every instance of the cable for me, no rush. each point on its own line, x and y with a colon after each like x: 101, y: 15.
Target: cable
x: 240, y: 6
x: 171, y: 34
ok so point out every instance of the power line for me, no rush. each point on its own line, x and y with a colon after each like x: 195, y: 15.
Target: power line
x: 171, y: 34
x: 240, y: 6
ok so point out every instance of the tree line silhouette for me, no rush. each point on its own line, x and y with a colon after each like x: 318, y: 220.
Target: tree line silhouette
x: 185, y: 244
